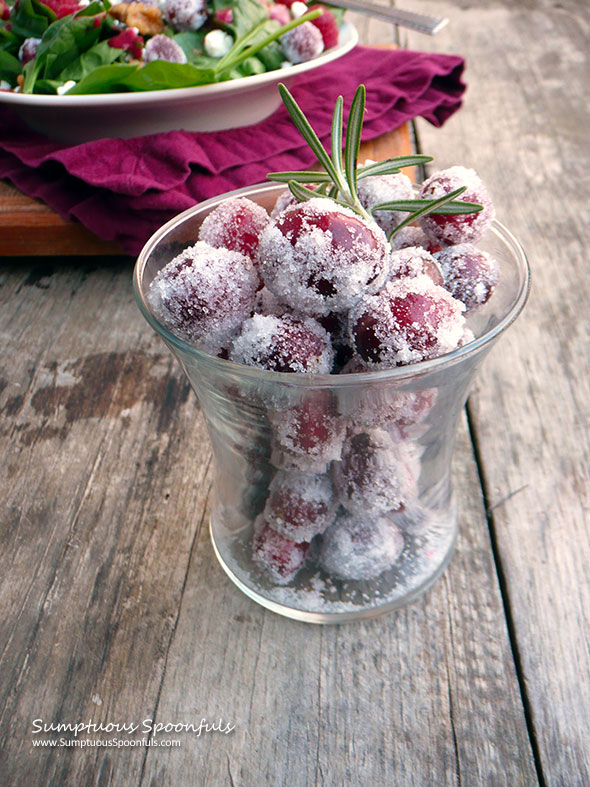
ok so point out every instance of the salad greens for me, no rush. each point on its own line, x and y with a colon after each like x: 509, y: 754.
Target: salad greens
x: 58, y: 46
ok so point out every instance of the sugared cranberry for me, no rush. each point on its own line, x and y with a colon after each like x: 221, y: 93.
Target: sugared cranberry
x: 280, y: 556
x: 360, y: 548
x: 320, y: 257
x: 414, y: 261
x: 459, y: 228
x: 309, y: 435
x: 235, y: 224
x: 302, y: 43
x: 300, y: 505
x: 470, y: 275
x: 161, y: 47
x: 282, y: 343
x: 375, y: 474
x: 410, y: 320
x: 204, y: 294
x: 185, y: 14
x: 28, y: 50
x: 385, y: 188
x: 412, y: 235
x: 327, y: 25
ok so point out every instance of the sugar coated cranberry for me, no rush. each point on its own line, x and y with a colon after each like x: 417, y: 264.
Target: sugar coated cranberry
x: 458, y: 228
x: 235, y: 224
x: 327, y: 25
x: 161, y: 47
x: 279, y: 556
x: 28, y: 50
x: 282, y: 343
x: 204, y: 295
x: 302, y: 43
x: 300, y: 505
x: 360, y: 548
x: 410, y: 320
x: 320, y: 257
x: 185, y: 14
x: 309, y: 435
x: 375, y: 474
x: 385, y: 188
x: 412, y: 235
x: 470, y: 275
x: 414, y: 260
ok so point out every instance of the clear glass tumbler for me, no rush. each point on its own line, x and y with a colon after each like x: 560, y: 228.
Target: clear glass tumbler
x: 266, y: 427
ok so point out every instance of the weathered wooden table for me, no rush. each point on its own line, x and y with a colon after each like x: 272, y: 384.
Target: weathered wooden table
x: 114, y: 609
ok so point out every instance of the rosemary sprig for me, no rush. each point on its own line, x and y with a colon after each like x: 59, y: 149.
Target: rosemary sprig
x: 340, y: 172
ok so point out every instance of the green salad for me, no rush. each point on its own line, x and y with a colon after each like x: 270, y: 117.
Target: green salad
x: 71, y: 47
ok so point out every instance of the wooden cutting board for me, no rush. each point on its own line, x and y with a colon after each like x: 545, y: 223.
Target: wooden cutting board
x: 28, y: 227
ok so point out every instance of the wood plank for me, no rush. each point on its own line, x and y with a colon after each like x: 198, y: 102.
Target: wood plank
x: 29, y: 227
x: 524, y: 127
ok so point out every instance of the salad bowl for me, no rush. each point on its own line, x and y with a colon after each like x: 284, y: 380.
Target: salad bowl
x: 75, y: 119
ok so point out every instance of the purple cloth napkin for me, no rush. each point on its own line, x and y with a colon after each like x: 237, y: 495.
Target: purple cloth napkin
x: 124, y: 189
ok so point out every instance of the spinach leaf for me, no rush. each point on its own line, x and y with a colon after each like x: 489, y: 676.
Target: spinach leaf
x: 157, y: 75
x: 63, y: 43
x: 30, y: 19
x: 247, y: 15
x: 100, y: 54
x: 9, y: 67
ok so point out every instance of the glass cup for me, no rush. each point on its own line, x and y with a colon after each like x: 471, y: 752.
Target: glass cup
x: 332, y: 496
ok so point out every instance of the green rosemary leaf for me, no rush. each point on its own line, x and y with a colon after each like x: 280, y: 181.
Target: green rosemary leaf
x: 301, y: 192
x: 353, y: 137
x: 392, y: 166
x: 300, y: 176
x: 430, y: 208
x: 411, y: 205
x: 337, y: 134
x: 307, y: 132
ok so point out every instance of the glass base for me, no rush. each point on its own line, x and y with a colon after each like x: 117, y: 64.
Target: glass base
x: 315, y: 597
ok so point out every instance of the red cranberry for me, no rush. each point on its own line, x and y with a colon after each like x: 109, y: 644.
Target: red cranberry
x: 204, y: 294
x: 459, y: 228
x: 470, y: 275
x: 235, y: 224
x: 300, y: 506
x: 283, y: 344
x: 320, y: 257
x: 327, y: 25
x: 128, y: 40
x: 410, y: 320
x: 280, y: 556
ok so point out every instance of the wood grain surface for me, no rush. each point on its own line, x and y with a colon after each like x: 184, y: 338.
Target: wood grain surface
x: 113, y: 607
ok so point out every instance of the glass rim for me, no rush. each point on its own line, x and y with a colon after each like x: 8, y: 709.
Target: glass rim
x: 302, y: 379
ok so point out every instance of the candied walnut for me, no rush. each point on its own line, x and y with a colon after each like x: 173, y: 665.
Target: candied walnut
x: 146, y: 18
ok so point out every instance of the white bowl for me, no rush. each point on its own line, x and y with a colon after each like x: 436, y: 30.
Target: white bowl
x: 238, y: 102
